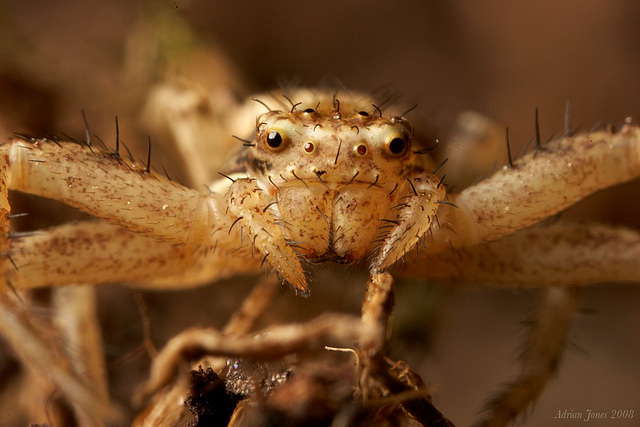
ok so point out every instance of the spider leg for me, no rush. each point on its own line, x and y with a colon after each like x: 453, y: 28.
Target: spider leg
x: 538, y: 186
x: 540, y: 356
x: 416, y: 212
x: 91, y: 252
x: 198, y: 124
x: 119, y: 191
x: 562, y: 254
x: 251, y: 205
x: 94, y: 252
x: 375, y: 378
x: 38, y: 344
x: 76, y: 321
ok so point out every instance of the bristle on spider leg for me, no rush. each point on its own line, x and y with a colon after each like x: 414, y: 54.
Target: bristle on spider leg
x: 538, y: 139
x: 275, y: 202
x: 11, y: 260
x: 131, y: 158
x: 14, y: 291
x: 148, y: 168
x: 510, y: 160
x: 234, y: 223
x: 22, y: 234
x: 567, y: 119
x: 87, y: 133
x: 166, y: 174
x: 392, y: 221
x: 413, y: 188
x: 253, y: 244
x: 537, y: 123
x: 17, y: 215
x: 116, y: 152
x: 526, y: 148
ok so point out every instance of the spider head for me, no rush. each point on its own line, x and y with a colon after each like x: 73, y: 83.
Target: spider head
x: 333, y: 148
x: 334, y: 171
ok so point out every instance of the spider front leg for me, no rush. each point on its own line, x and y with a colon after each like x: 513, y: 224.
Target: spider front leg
x: 95, y: 252
x: 256, y: 215
x: 538, y: 186
x: 186, y: 229
x: 416, y: 212
x: 103, y: 184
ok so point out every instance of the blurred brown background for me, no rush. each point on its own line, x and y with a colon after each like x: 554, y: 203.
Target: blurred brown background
x: 500, y: 58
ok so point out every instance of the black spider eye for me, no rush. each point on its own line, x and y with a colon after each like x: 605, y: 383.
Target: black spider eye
x: 274, y: 140
x: 397, y: 146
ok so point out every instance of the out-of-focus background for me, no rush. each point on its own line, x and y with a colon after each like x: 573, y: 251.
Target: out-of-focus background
x: 500, y: 58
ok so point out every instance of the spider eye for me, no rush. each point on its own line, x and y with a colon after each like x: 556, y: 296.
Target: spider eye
x: 397, y: 146
x: 360, y: 149
x: 275, y: 140
x: 309, y: 147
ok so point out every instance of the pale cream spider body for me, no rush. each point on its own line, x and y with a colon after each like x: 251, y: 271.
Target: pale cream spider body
x: 329, y: 190
x: 330, y: 177
x: 331, y: 183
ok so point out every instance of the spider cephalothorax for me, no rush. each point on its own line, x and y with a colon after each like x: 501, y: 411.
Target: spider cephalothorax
x: 338, y: 181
